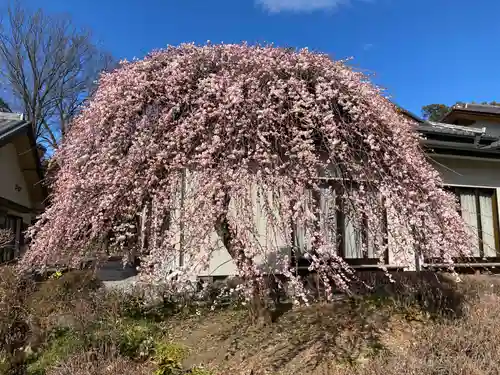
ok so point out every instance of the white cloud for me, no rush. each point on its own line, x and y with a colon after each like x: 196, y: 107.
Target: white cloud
x: 276, y: 6
x: 368, y: 46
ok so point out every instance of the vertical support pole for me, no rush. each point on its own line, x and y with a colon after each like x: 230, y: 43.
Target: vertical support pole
x: 181, y: 218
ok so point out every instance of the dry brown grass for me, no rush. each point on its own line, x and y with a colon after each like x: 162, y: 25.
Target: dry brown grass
x: 422, y: 324
x: 93, y: 364
x: 467, y: 346
x: 32, y: 312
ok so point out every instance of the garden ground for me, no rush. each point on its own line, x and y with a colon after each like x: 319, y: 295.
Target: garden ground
x: 422, y: 324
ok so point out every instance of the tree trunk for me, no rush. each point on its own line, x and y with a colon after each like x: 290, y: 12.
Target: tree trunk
x: 260, y: 312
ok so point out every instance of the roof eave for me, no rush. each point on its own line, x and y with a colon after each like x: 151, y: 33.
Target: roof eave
x: 39, y: 168
x: 24, y: 127
x: 13, y: 131
x: 435, y: 144
x: 466, y: 111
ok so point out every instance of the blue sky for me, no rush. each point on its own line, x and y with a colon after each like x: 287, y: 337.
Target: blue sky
x: 421, y: 51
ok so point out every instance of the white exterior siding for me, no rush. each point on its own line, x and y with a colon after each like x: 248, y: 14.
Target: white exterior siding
x: 492, y: 127
x: 468, y: 171
x: 455, y: 171
x: 459, y: 171
x: 12, y: 184
x: 221, y: 263
x: 13, y: 187
x: 479, y: 177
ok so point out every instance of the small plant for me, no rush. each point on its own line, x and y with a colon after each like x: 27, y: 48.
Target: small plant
x: 132, y: 305
x: 56, y: 275
x: 168, y: 358
x: 137, y: 340
x: 199, y: 371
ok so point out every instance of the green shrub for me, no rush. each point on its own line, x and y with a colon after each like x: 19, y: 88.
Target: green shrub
x: 128, y: 305
x: 69, y: 314
x: 136, y: 304
x: 137, y: 339
x: 60, y: 346
x: 68, y: 300
x: 168, y: 357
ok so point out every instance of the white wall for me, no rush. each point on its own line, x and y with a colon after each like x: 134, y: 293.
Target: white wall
x: 468, y: 171
x: 492, y: 127
x: 458, y: 171
x: 221, y: 263
x: 12, y: 176
x: 472, y: 172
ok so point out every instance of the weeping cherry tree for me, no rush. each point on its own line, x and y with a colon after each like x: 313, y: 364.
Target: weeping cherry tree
x: 195, y: 149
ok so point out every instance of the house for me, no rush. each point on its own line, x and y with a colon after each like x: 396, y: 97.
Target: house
x: 22, y: 193
x: 465, y: 149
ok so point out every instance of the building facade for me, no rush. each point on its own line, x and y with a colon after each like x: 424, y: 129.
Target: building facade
x: 22, y: 193
x: 464, y: 147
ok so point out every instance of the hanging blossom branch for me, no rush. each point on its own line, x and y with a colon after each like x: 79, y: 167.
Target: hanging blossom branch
x: 6, y: 236
x: 228, y: 147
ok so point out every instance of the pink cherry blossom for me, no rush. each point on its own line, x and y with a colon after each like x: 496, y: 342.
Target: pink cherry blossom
x: 197, y: 140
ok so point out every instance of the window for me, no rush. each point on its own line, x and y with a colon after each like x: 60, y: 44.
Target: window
x: 9, y: 252
x: 478, y: 208
x: 355, y: 243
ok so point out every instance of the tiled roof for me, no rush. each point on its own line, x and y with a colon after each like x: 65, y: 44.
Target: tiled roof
x: 11, y: 123
x: 458, y: 138
x: 449, y: 129
x: 483, y: 108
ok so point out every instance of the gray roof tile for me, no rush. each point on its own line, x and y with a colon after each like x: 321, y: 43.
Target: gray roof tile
x: 448, y: 129
x: 10, y: 123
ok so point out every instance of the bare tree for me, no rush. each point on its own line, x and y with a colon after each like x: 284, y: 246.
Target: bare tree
x: 50, y: 66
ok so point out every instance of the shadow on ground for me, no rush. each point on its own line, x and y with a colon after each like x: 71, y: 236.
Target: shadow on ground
x: 349, y: 330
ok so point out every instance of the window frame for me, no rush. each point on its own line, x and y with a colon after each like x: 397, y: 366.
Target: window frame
x: 336, y: 185
x: 455, y: 190
x: 10, y: 252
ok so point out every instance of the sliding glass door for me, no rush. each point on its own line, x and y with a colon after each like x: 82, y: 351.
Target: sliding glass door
x: 478, y: 208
